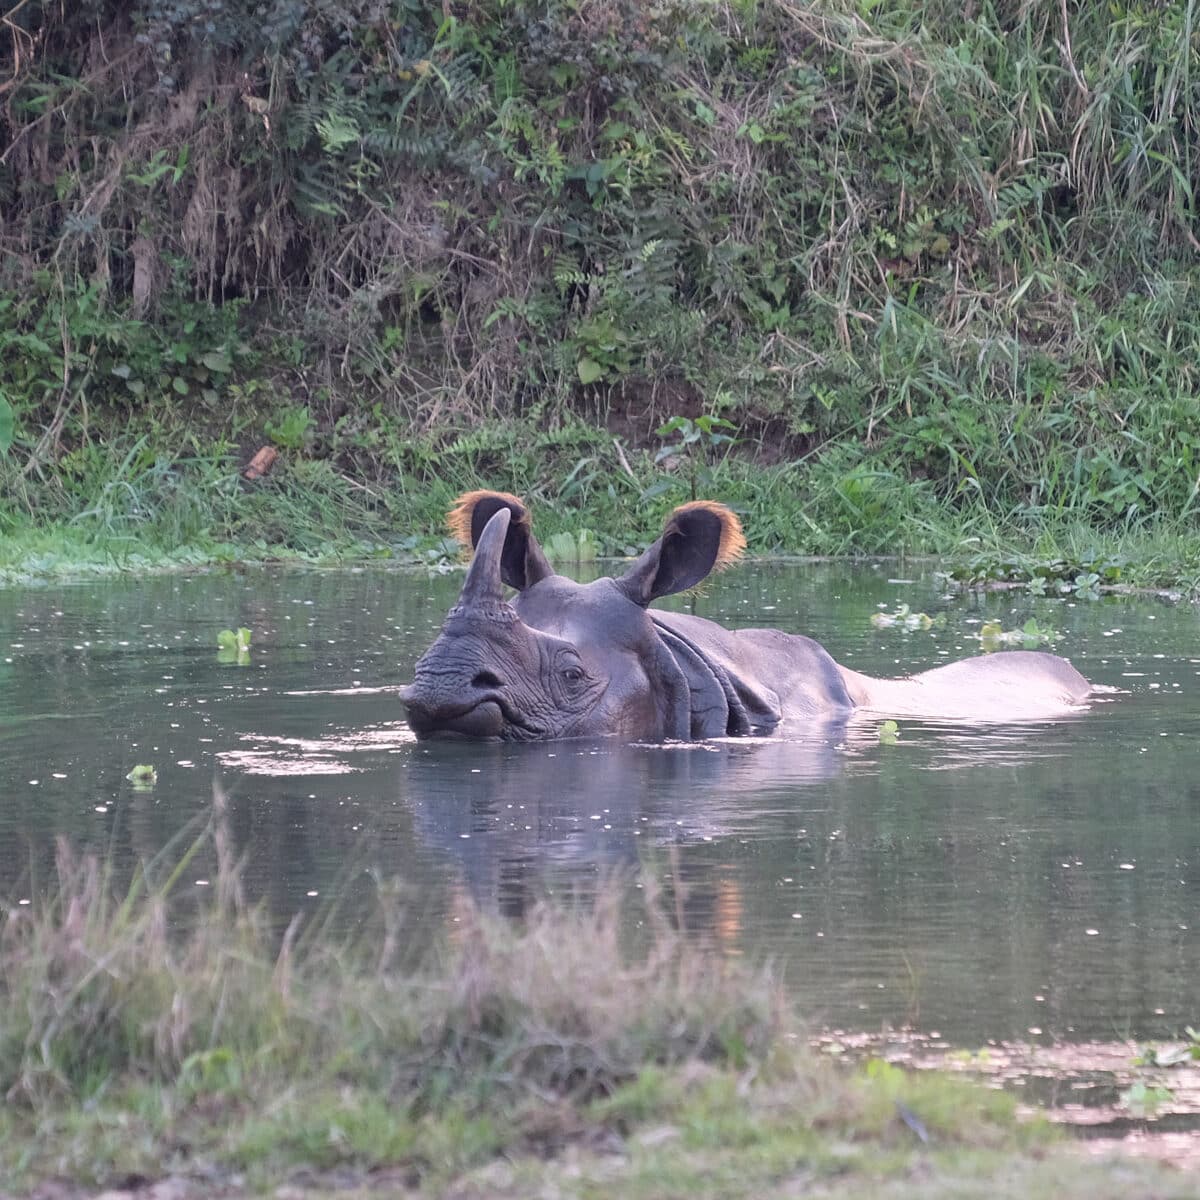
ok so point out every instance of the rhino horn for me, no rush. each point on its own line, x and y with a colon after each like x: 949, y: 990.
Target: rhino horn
x: 481, y: 589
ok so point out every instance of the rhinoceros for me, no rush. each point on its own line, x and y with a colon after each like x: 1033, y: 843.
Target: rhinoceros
x: 565, y: 659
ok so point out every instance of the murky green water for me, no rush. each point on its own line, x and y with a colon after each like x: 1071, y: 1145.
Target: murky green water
x: 1040, y: 882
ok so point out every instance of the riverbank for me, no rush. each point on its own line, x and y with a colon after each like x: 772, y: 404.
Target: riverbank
x: 894, y: 282
x: 152, y: 1040
x: 204, y: 514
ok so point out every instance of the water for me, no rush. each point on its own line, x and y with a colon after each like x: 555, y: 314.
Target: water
x: 1037, y: 883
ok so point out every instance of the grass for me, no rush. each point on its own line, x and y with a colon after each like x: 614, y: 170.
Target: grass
x: 142, y: 517
x: 145, y: 1035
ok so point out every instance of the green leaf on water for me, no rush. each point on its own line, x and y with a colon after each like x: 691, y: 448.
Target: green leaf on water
x: 234, y: 646
x: 1144, y: 1100
x: 904, y: 618
x: 143, y: 777
x: 889, y: 733
x: 227, y: 639
x: 993, y: 635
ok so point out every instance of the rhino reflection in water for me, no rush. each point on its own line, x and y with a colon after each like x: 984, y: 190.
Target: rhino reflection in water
x: 565, y: 659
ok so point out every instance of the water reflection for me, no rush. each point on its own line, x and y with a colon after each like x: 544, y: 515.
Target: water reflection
x: 505, y: 813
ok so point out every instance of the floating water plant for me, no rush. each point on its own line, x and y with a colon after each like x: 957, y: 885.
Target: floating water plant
x: 143, y: 777
x: 234, y: 646
x: 904, y: 618
x: 993, y: 635
x: 1171, y: 1056
x: 1145, y: 1099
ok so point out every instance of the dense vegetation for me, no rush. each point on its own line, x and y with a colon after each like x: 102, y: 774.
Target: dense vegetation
x: 935, y: 262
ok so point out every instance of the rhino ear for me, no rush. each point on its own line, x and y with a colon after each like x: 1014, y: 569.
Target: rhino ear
x: 698, y: 538
x: 522, y: 562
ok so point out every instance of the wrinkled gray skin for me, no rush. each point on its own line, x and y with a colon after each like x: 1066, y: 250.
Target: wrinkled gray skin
x: 565, y: 659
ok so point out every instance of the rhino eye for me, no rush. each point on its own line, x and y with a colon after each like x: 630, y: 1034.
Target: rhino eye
x: 572, y: 674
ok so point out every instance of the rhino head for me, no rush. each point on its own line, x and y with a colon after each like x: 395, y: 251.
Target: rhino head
x: 564, y: 659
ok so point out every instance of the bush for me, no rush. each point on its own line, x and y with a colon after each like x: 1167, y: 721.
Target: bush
x: 955, y: 244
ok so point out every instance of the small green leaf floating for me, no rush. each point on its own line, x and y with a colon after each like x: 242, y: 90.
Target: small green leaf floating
x: 143, y: 777
x: 993, y: 635
x: 234, y: 647
x: 904, y: 618
x: 1171, y: 1056
x: 889, y: 733
x: 1144, y: 1100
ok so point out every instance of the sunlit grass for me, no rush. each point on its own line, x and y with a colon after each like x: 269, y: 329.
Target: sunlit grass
x: 830, y: 505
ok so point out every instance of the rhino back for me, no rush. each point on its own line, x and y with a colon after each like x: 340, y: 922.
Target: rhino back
x: 781, y: 676
x: 1008, y: 685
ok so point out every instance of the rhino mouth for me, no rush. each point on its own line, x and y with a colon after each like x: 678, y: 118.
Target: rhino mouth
x: 483, y: 720
x: 489, y: 718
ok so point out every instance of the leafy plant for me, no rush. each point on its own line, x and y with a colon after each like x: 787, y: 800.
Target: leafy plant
x: 889, y: 733
x: 234, y: 646
x: 571, y: 547
x: 993, y: 636
x: 143, y: 777
x: 291, y: 429
x: 1172, y: 1056
x: 956, y: 326
x: 904, y: 618
x: 693, y: 445
x: 1145, y: 1099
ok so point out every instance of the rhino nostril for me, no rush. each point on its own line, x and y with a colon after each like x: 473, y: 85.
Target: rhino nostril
x: 485, y: 679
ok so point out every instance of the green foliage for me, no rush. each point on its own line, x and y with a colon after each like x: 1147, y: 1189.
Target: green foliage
x: 1145, y: 1099
x: 937, y: 260
x: 694, y: 447
x: 291, y: 429
x: 77, y: 368
x: 7, y: 423
x: 233, y: 646
x: 143, y: 777
x: 1082, y: 574
x: 571, y: 547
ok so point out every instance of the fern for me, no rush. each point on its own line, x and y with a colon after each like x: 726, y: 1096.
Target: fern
x: 317, y: 193
x: 567, y: 273
x: 418, y: 148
